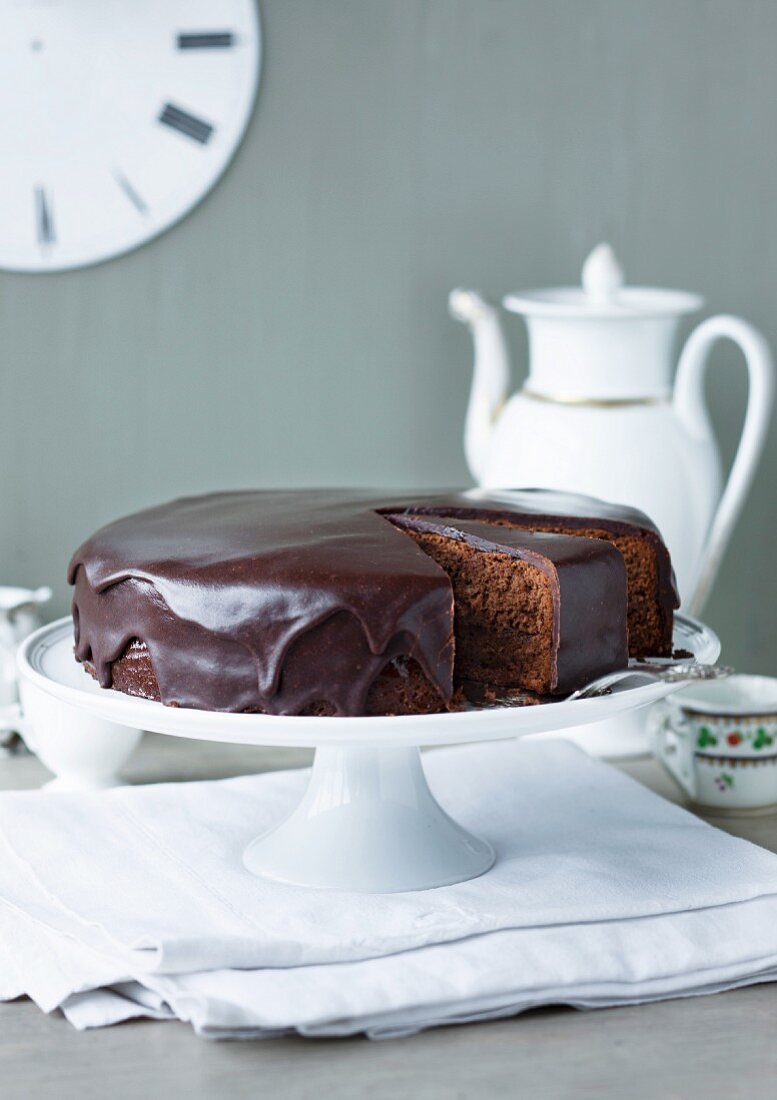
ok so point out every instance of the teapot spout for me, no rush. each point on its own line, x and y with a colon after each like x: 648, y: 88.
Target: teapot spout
x: 491, y: 376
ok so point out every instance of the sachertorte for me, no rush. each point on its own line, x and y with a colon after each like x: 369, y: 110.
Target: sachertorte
x: 350, y: 603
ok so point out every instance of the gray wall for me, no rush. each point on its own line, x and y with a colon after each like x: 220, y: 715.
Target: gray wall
x: 293, y: 329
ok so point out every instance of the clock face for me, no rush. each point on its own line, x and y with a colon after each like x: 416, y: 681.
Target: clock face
x: 116, y: 118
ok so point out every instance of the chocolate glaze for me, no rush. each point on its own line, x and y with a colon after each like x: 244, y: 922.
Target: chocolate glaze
x: 276, y: 600
x: 587, y: 584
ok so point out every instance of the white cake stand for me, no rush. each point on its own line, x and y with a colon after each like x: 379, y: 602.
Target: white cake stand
x: 368, y: 821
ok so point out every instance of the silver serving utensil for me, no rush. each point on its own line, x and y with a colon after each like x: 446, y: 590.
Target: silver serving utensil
x: 671, y: 673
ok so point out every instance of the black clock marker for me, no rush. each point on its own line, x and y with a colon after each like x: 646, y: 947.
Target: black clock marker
x: 209, y: 40
x: 44, y: 220
x: 189, y: 125
x: 139, y: 204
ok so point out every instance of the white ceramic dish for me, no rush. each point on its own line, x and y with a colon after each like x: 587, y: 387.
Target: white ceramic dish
x: 368, y: 820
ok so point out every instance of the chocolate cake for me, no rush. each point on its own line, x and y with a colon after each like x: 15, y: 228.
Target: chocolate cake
x: 348, y: 603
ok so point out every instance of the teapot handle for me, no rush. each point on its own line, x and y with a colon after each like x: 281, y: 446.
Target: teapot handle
x: 690, y: 406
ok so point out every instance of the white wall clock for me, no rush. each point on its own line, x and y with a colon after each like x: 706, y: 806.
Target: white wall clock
x: 116, y: 118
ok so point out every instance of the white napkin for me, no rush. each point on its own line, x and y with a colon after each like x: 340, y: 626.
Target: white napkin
x: 602, y: 894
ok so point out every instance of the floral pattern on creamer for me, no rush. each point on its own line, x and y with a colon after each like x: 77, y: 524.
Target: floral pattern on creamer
x: 757, y: 738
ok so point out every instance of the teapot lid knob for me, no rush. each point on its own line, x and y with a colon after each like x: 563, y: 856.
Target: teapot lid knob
x: 602, y: 276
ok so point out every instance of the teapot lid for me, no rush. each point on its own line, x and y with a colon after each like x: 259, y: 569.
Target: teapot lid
x: 602, y: 295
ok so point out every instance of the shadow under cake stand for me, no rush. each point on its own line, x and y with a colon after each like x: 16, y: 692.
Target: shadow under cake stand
x: 368, y: 821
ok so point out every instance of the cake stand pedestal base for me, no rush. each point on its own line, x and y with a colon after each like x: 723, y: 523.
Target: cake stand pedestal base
x: 369, y: 823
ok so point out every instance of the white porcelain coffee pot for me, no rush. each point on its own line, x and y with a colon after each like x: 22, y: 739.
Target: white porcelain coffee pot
x: 598, y: 415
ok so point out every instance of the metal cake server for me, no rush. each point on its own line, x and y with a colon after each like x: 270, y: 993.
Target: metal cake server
x: 672, y: 673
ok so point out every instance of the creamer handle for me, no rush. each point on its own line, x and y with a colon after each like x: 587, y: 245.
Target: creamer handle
x: 670, y: 739
x: 689, y: 403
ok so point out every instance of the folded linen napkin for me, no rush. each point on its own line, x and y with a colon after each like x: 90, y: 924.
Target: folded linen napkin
x: 603, y: 893
x: 155, y: 873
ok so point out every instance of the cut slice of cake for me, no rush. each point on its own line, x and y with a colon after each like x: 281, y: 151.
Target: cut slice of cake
x: 652, y: 589
x: 536, y: 611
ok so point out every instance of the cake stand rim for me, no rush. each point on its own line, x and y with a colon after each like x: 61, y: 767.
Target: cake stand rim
x: 487, y: 724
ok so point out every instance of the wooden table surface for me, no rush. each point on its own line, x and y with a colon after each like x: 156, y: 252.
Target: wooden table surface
x: 707, y: 1047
